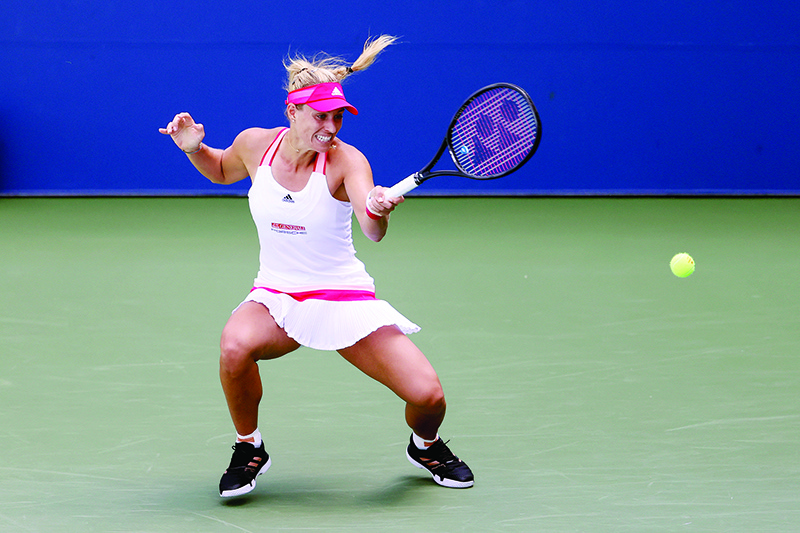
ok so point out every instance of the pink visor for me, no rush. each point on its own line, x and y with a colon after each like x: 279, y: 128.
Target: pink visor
x: 323, y: 97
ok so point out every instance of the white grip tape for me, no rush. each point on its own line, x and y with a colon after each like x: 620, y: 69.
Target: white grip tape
x: 399, y: 189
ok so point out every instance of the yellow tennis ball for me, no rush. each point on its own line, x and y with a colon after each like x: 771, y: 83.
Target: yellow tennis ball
x: 682, y: 265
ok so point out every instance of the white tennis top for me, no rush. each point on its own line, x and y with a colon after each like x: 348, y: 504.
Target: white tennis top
x: 305, y: 236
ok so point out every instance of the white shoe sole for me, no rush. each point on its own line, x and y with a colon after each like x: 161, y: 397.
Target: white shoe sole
x: 444, y: 482
x: 250, y: 486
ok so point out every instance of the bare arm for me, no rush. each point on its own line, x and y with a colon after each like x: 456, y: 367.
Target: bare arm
x: 220, y: 166
x: 360, y: 190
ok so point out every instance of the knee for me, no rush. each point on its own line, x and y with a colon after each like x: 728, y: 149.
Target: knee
x: 236, y: 355
x: 431, y: 398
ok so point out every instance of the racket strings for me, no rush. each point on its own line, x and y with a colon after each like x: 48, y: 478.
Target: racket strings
x: 497, y: 144
x: 494, y: 133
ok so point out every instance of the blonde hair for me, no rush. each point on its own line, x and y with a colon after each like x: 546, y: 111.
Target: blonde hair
x: 322, y: 68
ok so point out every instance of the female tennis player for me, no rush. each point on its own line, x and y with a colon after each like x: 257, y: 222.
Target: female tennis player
x: 310, y: 289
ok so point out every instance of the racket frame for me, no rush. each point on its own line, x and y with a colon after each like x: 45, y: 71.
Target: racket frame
x: 416, y: 179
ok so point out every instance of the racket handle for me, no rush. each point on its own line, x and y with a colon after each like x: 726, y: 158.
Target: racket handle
x: 402, y: 187
x: 398, y: 189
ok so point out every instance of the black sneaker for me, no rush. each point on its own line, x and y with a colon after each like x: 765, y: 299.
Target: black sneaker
x: 247, y: 463
x: 447, y: 469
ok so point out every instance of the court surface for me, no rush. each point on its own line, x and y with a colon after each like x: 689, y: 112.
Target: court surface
x: 588, y: 388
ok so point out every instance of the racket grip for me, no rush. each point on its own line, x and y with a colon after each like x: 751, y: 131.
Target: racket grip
x: 402, y: 187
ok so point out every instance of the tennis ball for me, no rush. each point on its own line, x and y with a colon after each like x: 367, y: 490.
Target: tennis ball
x: 682, y: 265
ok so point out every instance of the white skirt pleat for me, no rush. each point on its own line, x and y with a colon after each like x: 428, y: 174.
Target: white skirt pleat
x: 329, y: 325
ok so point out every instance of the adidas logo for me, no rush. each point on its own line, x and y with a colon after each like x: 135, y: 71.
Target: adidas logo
x: 337, y: 92
x: 288, y: 199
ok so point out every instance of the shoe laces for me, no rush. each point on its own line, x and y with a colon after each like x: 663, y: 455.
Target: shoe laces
x: 245, y: 456
x: 442, y: 454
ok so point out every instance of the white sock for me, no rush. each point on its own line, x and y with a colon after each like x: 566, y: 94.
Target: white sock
x: 421, y: 443
x: 256, y: 436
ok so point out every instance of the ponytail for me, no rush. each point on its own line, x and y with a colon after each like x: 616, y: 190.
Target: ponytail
x: 322, y: 68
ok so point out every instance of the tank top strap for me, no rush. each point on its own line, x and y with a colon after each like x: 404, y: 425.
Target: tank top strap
x: 322, y: 162
x: 319, y: 166
x: 269, y: 155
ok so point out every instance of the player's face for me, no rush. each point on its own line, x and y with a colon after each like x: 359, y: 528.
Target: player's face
x: 317, y: 128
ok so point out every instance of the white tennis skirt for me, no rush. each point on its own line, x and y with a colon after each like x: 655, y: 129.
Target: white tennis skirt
x: 329, y: 325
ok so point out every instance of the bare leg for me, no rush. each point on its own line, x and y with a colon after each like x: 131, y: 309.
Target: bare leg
x: 390, y: 357
x: 251, y: 334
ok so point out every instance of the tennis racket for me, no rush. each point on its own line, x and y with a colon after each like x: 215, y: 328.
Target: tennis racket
x: 494, y: 133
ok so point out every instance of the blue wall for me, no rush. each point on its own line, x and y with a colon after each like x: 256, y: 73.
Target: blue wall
x: 677, y: 97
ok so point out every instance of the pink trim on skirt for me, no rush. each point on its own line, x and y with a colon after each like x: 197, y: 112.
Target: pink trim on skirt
x: 330, y: 295
x: 330, y: 320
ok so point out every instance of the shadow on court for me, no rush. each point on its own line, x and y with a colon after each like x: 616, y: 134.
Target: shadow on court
x: 405, y: 490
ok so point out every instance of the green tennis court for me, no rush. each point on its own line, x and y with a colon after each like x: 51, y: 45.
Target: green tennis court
x: 589, y: 389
